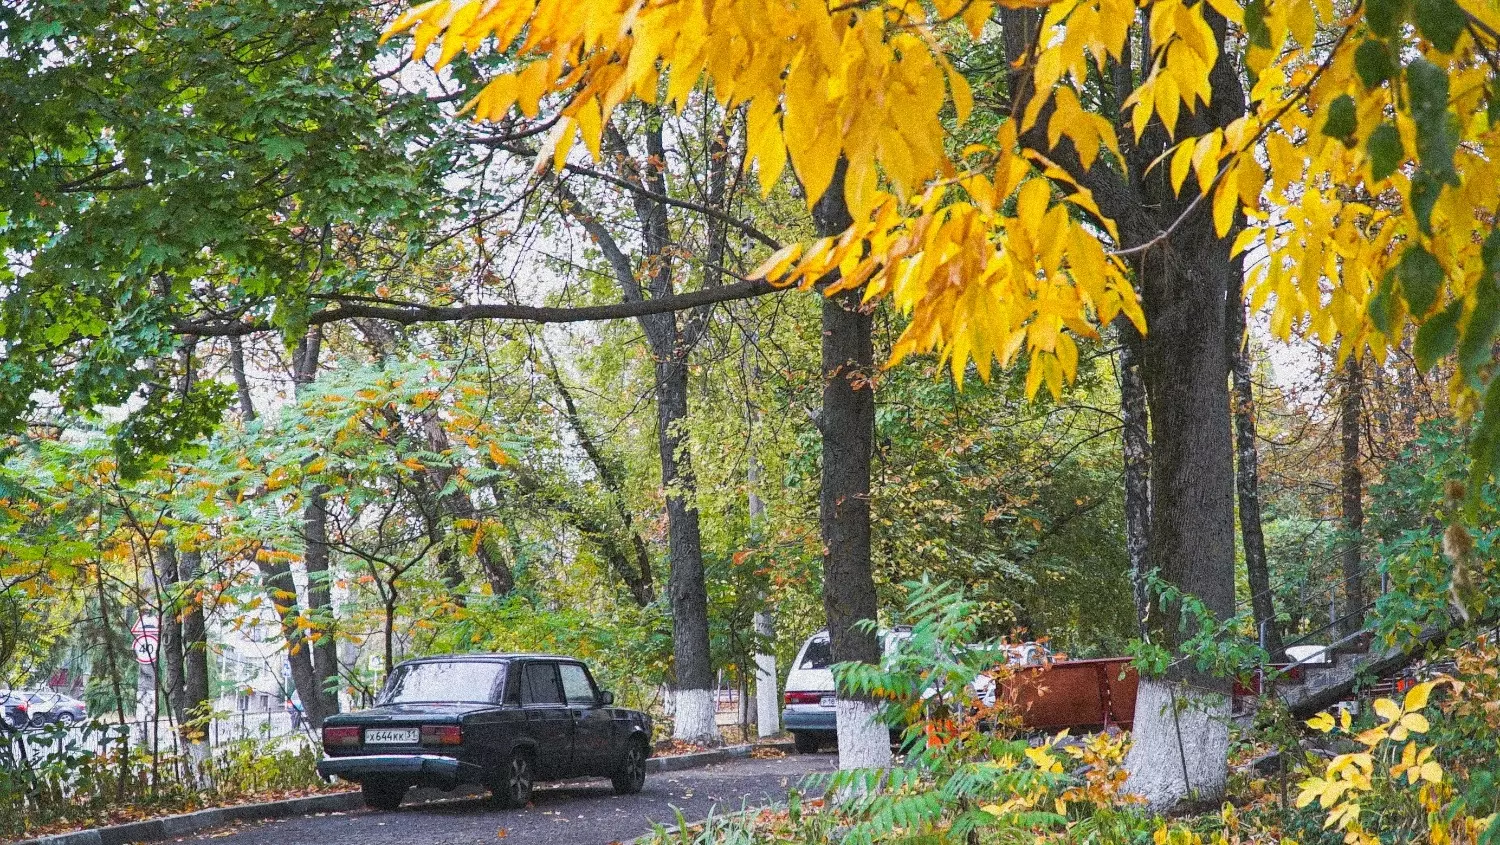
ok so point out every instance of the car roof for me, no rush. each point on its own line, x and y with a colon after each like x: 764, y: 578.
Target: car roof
x: 487, y: 656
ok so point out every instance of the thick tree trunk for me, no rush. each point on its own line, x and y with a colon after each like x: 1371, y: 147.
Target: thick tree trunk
x: 1247, y: 486
x: 1352, y: 488
x: 1137, y: 446
x: 848, y: 434
x: 1181, y: 732
x: 691, y: 660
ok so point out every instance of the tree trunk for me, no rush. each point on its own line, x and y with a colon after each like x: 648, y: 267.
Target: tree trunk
x: 691, y: 660
x: 194, y: 639
x: 848, y: 434
x: 1137, y: 447
x: 1247, y: 487
x: 169, y: 627
x: 1353, y: 491
x: 241, y: 381
x: 1180, y: 751
x: 321, y: 699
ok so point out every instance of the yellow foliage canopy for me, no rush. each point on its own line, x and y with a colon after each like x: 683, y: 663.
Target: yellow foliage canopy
x: 1362, y: 168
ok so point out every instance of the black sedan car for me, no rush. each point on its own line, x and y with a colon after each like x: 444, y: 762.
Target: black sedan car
x: 500, y: 721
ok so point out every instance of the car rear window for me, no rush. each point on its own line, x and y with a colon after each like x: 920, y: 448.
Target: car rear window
x: 457, y: 680
x: 819, y: 655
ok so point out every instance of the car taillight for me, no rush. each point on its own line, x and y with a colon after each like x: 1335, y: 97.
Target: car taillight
x: 803, y: 697
x: 340, y: 737
x: 442, y: 735
x: 23, y: 706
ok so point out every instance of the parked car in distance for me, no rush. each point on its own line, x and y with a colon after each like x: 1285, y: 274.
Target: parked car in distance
x: 809, y: 709
x: 15, y: 713
x: 47, y: 707
x: 501, y: 721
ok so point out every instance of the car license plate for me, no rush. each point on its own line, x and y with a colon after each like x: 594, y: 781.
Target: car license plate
x: 391, y: 736
x: 826, y: 701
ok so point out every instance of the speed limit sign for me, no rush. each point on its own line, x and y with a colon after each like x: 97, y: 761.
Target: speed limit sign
x: 146, y: 639
x: 145, y: 647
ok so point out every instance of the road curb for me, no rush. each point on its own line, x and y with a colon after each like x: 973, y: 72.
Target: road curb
x: 695, y: 759
x: 186, y: 824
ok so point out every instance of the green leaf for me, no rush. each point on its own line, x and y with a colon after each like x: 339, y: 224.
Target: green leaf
x: 1383, y: 304
x: 1255, y: 24
x: 1386, y: 151
x: 1437, y: 336
x: 1385, y: 16
x: 1421, y: 277
x: 1475, y: 350
x: 1441, y: 22
x: 1428, y: 86
x: 1374, y: 63
x: 1425, y: 189
x: 1342, y: 120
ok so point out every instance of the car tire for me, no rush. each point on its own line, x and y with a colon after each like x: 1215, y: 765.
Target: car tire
x: 630, y: 776
x: 807, y: 742
x: 513, y: 788
x: 38, y: 721
x: 382, y: 795
x: 67, y: 719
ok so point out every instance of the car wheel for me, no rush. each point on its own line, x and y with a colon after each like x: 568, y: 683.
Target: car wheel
x: 807, y: 743
x: 514, y: 789
x: 67, y: 719
x: 382, y: 795
x: 631, y: 775
x: 38, y: 720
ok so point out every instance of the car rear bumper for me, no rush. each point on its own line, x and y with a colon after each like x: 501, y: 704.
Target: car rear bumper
x: 809, y: 717
x: 426, y: 769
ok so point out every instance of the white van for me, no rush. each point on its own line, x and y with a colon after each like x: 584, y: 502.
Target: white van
x: 809, y: 712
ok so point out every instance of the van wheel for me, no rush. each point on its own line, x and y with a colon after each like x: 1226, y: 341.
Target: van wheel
x: 382, y: 795
x: 807, y: 742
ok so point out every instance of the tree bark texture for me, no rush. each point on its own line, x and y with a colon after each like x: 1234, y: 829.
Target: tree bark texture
x: 319, y: 700
x: 1137, y: 446
x: 1352, y: 490
x: 1247, y: 487
x: 848, y: 434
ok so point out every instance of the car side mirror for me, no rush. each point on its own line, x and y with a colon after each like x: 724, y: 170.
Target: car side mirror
x: 606, y: 698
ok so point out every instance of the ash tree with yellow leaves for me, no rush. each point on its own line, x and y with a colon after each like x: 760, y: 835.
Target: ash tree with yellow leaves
x: 1146, y: 163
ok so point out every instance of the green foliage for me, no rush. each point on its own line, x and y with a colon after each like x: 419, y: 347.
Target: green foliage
x: 184, y: 157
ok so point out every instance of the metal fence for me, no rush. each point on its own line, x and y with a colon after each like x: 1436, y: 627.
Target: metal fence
x: 160, y: 736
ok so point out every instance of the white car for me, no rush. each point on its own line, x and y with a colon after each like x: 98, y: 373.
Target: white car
x: 809, y: 712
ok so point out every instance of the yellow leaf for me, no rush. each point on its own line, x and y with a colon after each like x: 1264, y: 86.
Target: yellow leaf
x: 1322, y: 723
x: 1416, y: 697
x: 1415, y: 722
x: 498, y: 455
x: 1387, y: 709
x: 1226, y: 203
x: 1230, y: 10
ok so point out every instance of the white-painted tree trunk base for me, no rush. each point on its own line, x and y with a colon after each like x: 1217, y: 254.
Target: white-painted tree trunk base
x: 1161, y: 771
x: 694, y: 719
x: 767, y: 696
x: 864, y: 740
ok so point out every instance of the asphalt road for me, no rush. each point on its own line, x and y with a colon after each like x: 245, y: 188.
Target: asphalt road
x: 573, y: 813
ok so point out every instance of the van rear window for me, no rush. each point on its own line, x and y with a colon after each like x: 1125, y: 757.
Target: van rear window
x: 819, y: 655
